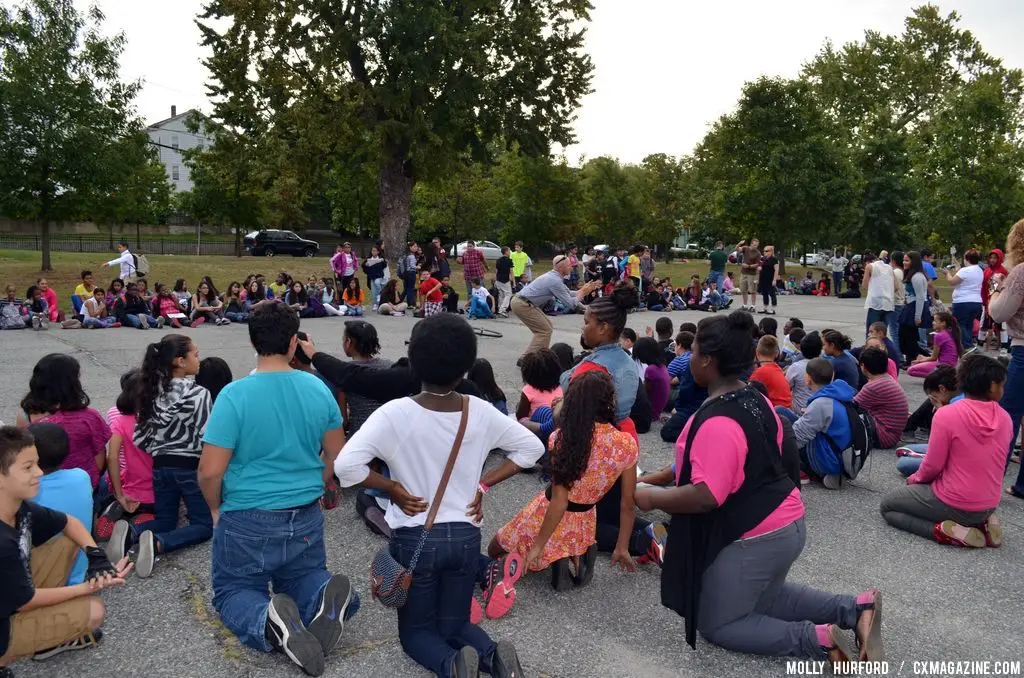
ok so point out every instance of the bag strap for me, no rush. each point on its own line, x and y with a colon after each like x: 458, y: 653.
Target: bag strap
x: 446, y: 476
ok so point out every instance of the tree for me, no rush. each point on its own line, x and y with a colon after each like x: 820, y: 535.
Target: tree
x: 663, y: 186
x: 614, y: 210
x: 134, y: 189
x: 427, y: 81
x: 62, y: 103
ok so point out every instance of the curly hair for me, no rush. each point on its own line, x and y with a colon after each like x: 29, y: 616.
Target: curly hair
x: 589, y: 400
x: 1015, y: 245
x: 541, y: 369
x: 55, y: 385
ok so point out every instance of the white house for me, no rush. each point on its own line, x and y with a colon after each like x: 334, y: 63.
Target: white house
x: 170, y: 137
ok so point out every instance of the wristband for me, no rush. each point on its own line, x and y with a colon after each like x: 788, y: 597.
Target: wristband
x: 484, y: 489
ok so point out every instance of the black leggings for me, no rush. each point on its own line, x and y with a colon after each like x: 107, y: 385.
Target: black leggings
x: 769, y: 293
x: 909, y: 346
x: 608, y: 524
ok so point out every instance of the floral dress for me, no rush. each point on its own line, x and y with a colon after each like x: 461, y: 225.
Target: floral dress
x: 613, y: 452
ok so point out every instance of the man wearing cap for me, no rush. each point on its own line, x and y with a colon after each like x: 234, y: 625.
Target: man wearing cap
x: 528, y: 305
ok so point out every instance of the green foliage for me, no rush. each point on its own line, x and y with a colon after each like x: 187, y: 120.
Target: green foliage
x: 64, y: 112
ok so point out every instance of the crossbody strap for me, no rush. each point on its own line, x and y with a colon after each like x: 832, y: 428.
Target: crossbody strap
x: 443, y: 485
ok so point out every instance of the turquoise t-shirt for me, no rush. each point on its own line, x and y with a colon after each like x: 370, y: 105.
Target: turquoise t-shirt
x: 69, y: 491
x: 275, y: 462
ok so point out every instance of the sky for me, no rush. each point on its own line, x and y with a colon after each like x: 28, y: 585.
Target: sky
x: 664, y: 70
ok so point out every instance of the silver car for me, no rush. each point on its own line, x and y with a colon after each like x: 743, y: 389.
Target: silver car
x: 490, y: 250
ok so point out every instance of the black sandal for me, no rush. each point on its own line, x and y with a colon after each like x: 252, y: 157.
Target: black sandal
x: 561, y: 575
x: 586, y: 568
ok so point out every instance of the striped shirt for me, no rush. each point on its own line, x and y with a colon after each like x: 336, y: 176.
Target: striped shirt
x: 473, y: 264
x: 887, y: 404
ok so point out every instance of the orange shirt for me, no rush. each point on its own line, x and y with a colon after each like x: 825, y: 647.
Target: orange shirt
x: 774, y: 379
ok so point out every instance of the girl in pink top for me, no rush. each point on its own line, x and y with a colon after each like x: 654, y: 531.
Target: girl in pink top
x: 541, y: 373
x: 737, y: 521
x: 952, y: 498
x: 946, y: 350
x: 55, y: 395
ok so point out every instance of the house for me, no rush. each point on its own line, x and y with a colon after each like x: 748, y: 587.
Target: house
x: 170, y: 137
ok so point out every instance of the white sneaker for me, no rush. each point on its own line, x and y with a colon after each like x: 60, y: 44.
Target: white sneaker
x: 143, y: 323
x: 37, y: 324
x: 160, y: 322
x: 225, y: 321
x: 398, y: 313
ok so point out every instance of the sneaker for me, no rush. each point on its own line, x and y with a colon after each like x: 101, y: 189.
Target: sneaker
x: 831, y: 481
x: 971, y: 350
x: 142, y: 518
x: 953, y: 533
x: 37, y: 324
x: 197, y: 322
x: 728, y: 303
x: 332, y: 495
x: 175, y: 324
x: 465, y: 663
x: 43, y: 324
x: 143, y: 323
x: 285, y: 631
x: 104, y: 526
x: 120, y: 541
x: 374, y: 519
x: 160, y: 322
x: 81, y: 643
x: 147, y: 554
x: 218, y: 321
x: 659, y: 538
x: 329, y: 620
x: 116, y: 325
x: 505, y: 661
x: 398, y: 313
x: 500, y: 592
x: 993, y: 532
x: 804, y: 478
x: 476, y: 613
x: 225, y: 321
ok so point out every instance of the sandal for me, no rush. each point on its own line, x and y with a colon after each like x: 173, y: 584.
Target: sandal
x: 993, y: 532
x: 585, y: 570
x: 870, y: 646
x: 1013, y: 492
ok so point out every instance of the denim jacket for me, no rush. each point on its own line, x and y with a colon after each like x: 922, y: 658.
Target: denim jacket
x: 623, y: 372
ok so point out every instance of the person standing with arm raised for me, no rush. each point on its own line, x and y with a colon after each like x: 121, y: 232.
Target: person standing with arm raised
x: 125, y: 262
x: 529, y: 303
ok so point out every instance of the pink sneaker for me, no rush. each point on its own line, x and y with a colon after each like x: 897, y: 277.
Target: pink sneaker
x: 500, y: 593
x: 476, y: 613
x: 198, y: 321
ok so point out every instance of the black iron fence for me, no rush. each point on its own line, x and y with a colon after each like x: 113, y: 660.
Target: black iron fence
x: 102, y: 243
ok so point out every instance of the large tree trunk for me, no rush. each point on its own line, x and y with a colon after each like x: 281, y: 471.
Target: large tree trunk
x: 396, y: 185
x: 45, y: 245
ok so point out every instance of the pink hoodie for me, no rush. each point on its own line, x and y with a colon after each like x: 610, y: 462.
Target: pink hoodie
x: 966, y: 455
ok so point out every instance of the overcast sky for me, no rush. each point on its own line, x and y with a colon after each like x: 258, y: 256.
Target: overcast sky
x: 664, y: 69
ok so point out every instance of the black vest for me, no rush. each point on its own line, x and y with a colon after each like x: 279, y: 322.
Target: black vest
x: 695, y: 540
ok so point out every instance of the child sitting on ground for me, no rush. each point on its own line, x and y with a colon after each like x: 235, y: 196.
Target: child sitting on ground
x: 541, y: 372
x: 479, y: 302
x: 656, y: 381
x: 690, y: 396
x: 882, y: 397
x: 946, y: 349
x: 942, y: 389
x: 66, y: 490
x: 627, y: 339
x: 94, y: 312
x: 166, y: 306
x: 791, y: 345
x: 810, y: 348
x: 824, y: 418
x: 836, y: 350
x: 587, y: 456
x: 353, y: 298
x: 953, y: 497
x: 770, y: 374
x: 482, y: 374
x: 42, y: 616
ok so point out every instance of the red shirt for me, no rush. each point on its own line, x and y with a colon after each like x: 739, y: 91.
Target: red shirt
x: 472, y: 264
x: 427, y: 285
x: 774, y: 379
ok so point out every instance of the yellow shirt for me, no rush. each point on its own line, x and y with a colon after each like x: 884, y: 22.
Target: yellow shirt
x: 634, y: 266
x: 83, y: 293
x: 519, y: 260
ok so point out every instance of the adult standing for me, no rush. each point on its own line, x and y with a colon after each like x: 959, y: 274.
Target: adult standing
x: 444, y: 269
x: 407, y: 272
x: 519, y: 260
x: 838, y: 265
x: 881, y: 290
x: 899, y: 297
x: 647, y: 268
x: 768, y: 279
x: 1006, y: 305
x: 125, y: 261
x: 718, y: 259
x: 345, y: 265
x: 916, y: 315
x: 967, y: 307
x: 473, y: 266
x: 529, y: 304
x: 750, y: 264
x: 503, y: 281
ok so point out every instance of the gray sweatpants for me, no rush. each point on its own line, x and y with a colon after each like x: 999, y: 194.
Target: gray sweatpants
x: 746, y: 604
x: 916, y: 509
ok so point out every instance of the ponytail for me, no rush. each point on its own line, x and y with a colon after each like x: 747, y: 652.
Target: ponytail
x: 949, y: 320
x: 155, y: 374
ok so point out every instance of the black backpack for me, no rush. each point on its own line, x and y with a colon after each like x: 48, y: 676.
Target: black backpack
x: 863, y: 440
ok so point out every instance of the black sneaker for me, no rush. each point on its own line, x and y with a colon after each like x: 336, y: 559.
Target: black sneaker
x: 80, y: 643
x: 289, y: 635
x: 466, y: 663
x: 505, y: 662
x: 329, y: 620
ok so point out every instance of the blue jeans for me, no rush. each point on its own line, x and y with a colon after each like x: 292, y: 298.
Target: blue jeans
x: 356, y: 311
x: 894, y: 324
x: 101, y: 323
x: 134, y: 320
x: 907, y: 466
x: 875, y: 315
x: 479, y: 308
x: 254, y: 549
x: 409, y: 277
x: 1013, y: 402
x: 434, y: 623
x: 966, y: 313
x: 716, y: 277
x: 376, y: 285
x: 171, y: 486
x: 236, y: 317
x: 837, y: 282
x: 718, y: 299
x: 787, y: 413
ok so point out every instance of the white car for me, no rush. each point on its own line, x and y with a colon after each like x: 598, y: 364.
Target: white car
x: 490, y: 250
x: 812, y: 260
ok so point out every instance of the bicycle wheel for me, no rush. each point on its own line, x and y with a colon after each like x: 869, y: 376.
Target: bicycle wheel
x: 487, y: 333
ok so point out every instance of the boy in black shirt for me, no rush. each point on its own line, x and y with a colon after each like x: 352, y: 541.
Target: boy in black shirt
x: 39, y: 615
x: 503, y: 281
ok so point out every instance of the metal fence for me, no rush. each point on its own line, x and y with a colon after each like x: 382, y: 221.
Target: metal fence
x: 94, y: 243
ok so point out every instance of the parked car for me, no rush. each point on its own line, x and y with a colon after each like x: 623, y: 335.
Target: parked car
x: 270, y: 242
x: 490, y: 250
x: 814, y: 260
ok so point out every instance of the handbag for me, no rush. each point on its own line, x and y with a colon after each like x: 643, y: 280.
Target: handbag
x: 390, y: 580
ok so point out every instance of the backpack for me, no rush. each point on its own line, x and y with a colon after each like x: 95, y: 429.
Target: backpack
x: 864, y: 437
x: 141, y: 265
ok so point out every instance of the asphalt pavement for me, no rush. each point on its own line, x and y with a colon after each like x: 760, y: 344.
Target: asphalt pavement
x: 942, y: 603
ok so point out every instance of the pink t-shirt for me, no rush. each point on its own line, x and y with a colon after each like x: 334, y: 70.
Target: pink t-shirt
x: 538, y: 398
x: 136, y: 466
x: 717, y: 457
x: 947, y: 348
x: 894, y: 371
x: 966, y: 456
x: 167, y: 305
x: 87, y: 437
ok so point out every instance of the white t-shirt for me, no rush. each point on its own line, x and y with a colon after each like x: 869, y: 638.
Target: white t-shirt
x: 415, y: 443
x: 90, y: 308
x: 838, y: 264
x: 969, y: 288
x: 481, y: 293
x: 900, y: 299
x: 880, y: 288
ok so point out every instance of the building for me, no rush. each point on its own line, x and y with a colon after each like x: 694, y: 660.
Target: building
x: 170, y: 137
